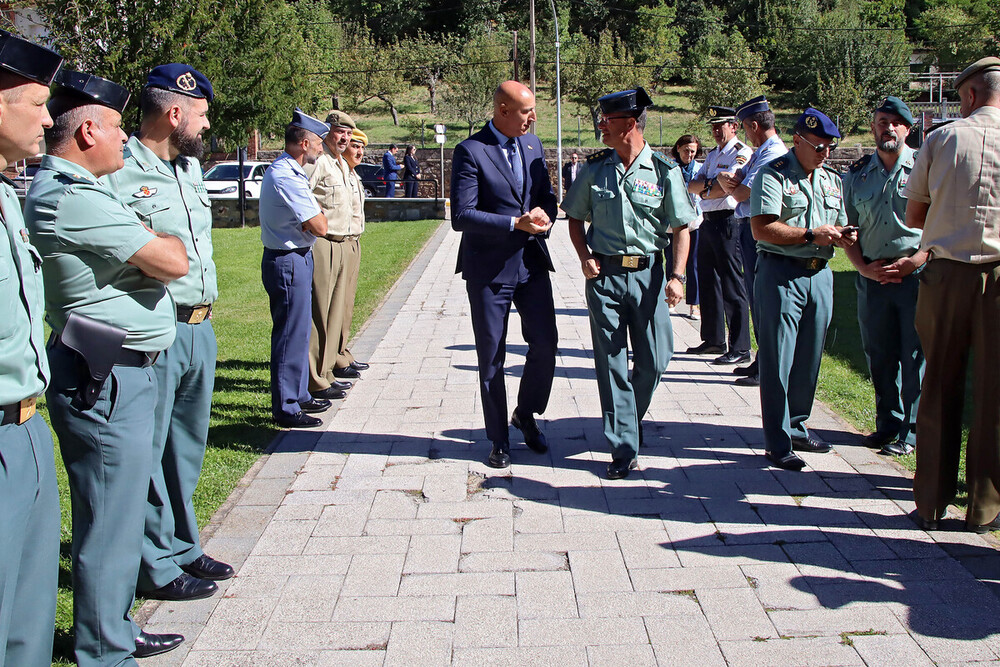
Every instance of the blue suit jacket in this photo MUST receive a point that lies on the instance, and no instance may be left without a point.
(484, 197)
(390, 166)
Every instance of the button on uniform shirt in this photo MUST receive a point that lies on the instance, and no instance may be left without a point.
(24, 366)
(357, 202)
(171, 197)
(874, 201)
(630, 210)
(956, 172)
(782, 188)
(771, 149)
(286, 201)
(328, 181)
(86, 235)
(729, 158)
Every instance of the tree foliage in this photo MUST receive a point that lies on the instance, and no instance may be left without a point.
(726, 71)
(595, 67)
(370, 71)
(484, 65)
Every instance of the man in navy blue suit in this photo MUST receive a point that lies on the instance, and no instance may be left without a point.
(389, 168)
(502, 202)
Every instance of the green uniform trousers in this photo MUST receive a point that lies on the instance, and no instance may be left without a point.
(332, 261)
(185, 378)
(958, 312)
(29, 544)
(886, 315)
(352, 261)
(107, 451)
(794, 306)
(628, 306)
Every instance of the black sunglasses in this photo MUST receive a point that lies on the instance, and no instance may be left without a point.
(819, 148)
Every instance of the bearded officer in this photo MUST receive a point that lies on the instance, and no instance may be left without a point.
(632, 197)
(29, 550)
(111, 317)
(162, 182)
(888, 258)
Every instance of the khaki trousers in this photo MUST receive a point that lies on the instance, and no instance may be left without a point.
(328, 292)
(351, 254)
(958, 312)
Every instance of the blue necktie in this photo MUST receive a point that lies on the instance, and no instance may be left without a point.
(515, 165)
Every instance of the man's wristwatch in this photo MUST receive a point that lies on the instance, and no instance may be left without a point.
(680, 278)
(810, 237)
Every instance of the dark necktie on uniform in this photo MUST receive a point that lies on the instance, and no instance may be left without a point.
(515, 164)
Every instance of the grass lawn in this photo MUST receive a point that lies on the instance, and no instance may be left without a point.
(241, 424)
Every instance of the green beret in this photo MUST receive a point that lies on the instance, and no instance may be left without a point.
(896, 106)
(989, 64)
(340, 119)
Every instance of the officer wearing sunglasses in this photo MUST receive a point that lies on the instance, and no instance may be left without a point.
(797, 216)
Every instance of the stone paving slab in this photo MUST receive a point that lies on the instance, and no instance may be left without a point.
(384, 540)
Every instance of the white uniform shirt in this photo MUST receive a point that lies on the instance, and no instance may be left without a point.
(729, 158)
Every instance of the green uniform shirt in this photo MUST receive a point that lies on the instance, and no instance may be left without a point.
(630, 210)
(874, 200)
(87, 235)
(171, 198)
(783, 188)
(24, 367)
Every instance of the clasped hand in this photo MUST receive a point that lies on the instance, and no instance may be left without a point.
(536, 221)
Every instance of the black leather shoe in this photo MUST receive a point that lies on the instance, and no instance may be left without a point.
(500, 456)
(985, 528)
(349, 372)
(927, 524)
(877, 440)
(184, 587)
(746, 370)
(619, 468)
(147, 644)
(789, 461)
(298, 420)
(360, 365)
(206, 567)
(524, 421)
(706, 348)
(748, 381)
(331, 393)
(810, 445)
(896, 448)
(733, 357)
(314, 405)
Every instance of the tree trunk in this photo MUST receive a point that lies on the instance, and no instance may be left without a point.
(595, 113)
(432, 90)
(392, 109)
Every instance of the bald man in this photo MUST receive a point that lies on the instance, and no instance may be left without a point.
(502, 203)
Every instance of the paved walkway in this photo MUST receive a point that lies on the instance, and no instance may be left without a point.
(386, 541)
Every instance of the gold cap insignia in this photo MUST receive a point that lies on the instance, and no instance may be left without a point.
(711, 112)
(811, 121)
(186, 82)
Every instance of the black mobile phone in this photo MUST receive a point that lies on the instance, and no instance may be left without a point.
(848, 229)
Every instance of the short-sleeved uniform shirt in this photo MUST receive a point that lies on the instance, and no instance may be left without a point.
(957, 173)
(630, 210)
(86, 235)
(874, 201)
(783, 188)
(286, 201)
(24, 367)
(772, 148)
(729, 158)
(171, 197)
(357, 202)
(328, 179)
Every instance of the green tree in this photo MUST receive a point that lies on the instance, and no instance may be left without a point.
(371, 70)
(958, 35)
(726, 71)
(484, 65)
(595, 67)
(658, 40)
(428, 60)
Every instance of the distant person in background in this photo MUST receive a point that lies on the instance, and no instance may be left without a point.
(684, 151)
(411, 169)
(570, 170)
(390, 167)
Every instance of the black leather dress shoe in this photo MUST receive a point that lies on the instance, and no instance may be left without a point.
(985, 528)
(360, 365)
(877, 440)
(810, 445)
(298, 420)
(147, 644)
(619, 468)
(331, 393)
(748, 381)
(746, 370)
(533, 437)
(500, 456)
(314, 405)
(730, 358)
(349, 372)
(206, 567)
(706, 348)
(789, 461)
(184, 587)
(896, 448)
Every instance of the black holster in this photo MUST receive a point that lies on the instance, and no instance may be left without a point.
(97, 345)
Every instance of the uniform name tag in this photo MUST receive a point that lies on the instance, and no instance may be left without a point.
(649, 189)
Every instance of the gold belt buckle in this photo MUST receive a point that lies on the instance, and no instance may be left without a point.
(630, 261)
(27, 410)
(198, 315)
(814, 263)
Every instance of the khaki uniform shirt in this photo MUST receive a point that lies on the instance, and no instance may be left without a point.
(357, 202)
(958, 173)
(329, 183)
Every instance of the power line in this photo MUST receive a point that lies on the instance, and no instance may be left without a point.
(405, 69)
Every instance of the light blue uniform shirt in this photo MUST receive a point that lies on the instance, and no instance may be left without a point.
(773, 148)
(875, 202)
(24, 367)
(286, 201)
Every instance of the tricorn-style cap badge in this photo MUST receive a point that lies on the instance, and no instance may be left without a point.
(186, 81)
(811, 121)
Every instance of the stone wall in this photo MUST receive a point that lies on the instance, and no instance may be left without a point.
(226, 212)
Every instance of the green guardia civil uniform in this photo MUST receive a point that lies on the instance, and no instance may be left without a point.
(86, 236)
(630, 211)
(29, 497)
(793, 290)
(170, 197)
(874, 201)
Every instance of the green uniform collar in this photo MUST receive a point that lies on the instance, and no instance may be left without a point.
(146, 158)
(71, 170)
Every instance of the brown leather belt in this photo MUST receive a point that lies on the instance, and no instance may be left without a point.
(340, 239)
(20, 412)
(193, 314)
(808, 263)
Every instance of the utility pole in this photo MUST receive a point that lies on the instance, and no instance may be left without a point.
(517, 72)
(531, 52)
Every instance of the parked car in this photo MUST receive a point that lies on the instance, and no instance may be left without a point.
(372, 179)
(223, 178)
(23, 180)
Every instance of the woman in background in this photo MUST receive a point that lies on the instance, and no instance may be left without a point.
(684, 151)
(411, 169)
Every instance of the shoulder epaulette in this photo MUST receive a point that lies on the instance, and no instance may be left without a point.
(860, 163)
(740, 146)
(778, 163)
(833, 169)
(664, 159)
(599, 155)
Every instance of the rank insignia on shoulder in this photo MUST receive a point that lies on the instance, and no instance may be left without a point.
(859, 163)
(599, 155)
(778, 163)
(664, 159)
(144, 192)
